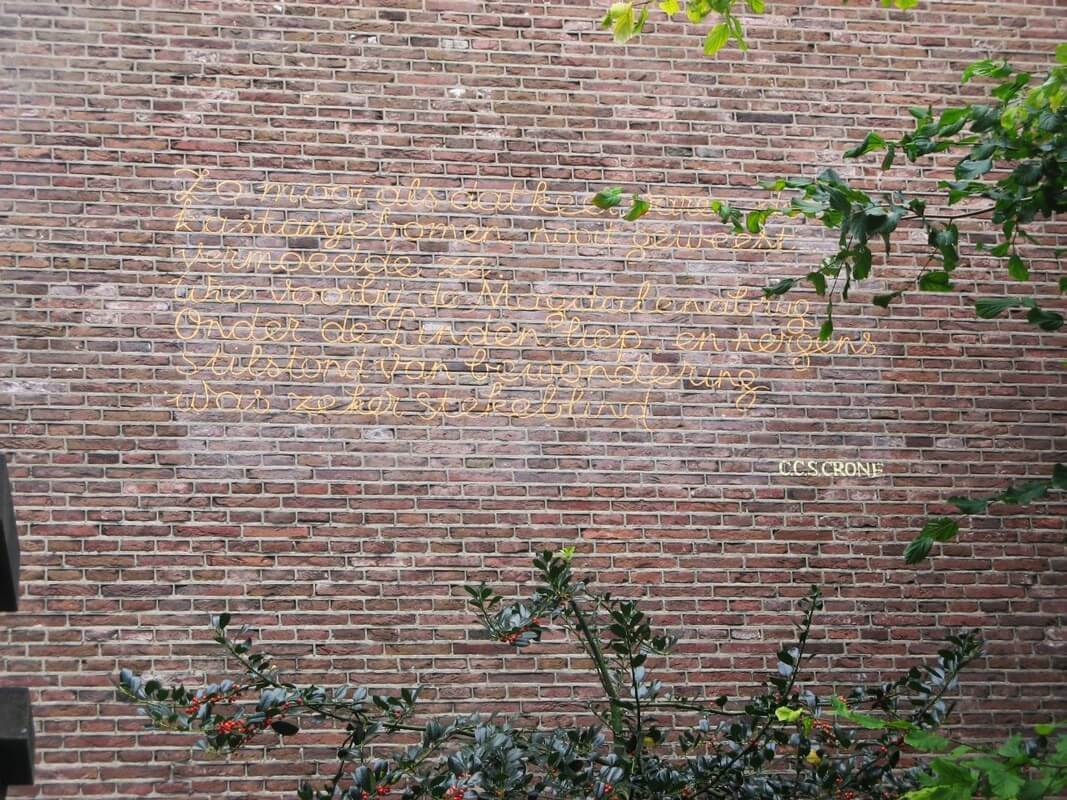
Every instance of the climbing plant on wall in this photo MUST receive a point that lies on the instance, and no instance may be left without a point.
(1007, 155)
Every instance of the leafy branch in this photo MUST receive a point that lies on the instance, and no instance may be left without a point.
(1010, 166)
(627, 19)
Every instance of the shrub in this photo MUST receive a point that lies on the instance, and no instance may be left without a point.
(642, 740)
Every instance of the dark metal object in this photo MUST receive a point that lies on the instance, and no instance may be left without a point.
(9, 545)
(16, 738)
(16, 716)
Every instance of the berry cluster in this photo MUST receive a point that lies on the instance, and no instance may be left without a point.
(234, 726)
(840, 793)
(823, 726)
(381, 791)
(454, 793)
(511, 638)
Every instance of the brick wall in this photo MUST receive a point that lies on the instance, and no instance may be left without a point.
(387, 200)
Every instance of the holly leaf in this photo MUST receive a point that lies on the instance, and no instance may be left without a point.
(284, 728)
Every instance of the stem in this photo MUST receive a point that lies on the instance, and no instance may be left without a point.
(341, 766)
(782, 695)
(592, 647)
(638, 725)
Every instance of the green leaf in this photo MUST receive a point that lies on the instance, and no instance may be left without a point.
(1002, 779)
(755, 6)
(918, 549)
(565, 554)
(1033, 790)
(952, 774)
(1061, 53)
(936, 792)
(952, 120)
(818, 280)
(861, 263)
(883, 300)
(890, 154)
(1006, 91)
(970, 505)
(872, 141)
(780, 288)
(623, 24)
(928, 741)
(935, 282)
(856, 718)
(1044, 319)
(716, 39)
(1025, 493)
(735, 31)
(608, 198)
(697, 10)
(1012, 747)
(940, 529)
(826, 330)
(969, 169)
(1059, 476)
(1017, 269)
(670, 7)
(946, 239)
(638, 209)
(992, 307)
(785, 714)
(986, 68)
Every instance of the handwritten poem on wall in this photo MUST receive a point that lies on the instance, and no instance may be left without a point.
(436, 302)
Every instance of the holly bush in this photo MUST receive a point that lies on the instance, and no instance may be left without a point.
(638, 739)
